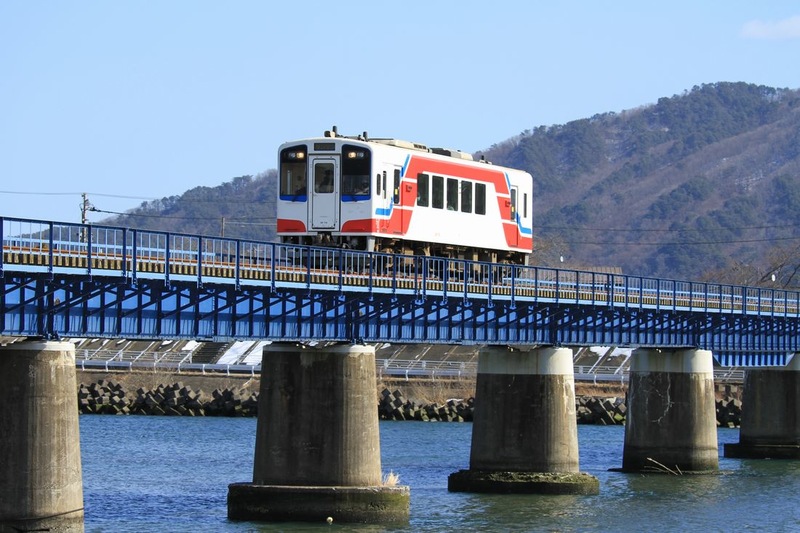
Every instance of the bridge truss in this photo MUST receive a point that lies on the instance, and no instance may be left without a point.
(72, 280)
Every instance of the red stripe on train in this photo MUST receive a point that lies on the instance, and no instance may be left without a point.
(291, 226)
(391, 226)
(362, 225)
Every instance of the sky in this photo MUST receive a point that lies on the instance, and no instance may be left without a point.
(130, 101)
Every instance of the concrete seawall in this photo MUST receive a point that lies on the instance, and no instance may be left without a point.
(131, 394)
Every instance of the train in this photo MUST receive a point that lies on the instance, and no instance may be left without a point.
(400, 197)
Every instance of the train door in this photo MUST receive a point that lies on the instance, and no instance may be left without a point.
(324, 193)
(396, 201)
(513, 239)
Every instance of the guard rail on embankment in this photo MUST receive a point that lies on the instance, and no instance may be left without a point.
(404, 369)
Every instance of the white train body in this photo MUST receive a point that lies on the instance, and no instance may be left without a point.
(399, 197)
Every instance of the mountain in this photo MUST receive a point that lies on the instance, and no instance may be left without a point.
(701, 185)
(706, 181)
(242, 208)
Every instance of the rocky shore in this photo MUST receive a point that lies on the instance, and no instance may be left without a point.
(110, 398)
(443, 401)
(606, 411)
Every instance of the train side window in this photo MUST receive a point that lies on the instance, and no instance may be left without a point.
(383, 176)
(396, 196)
(437, 192)
(423, 190)
(452, 194)
(480, 198)
(378, 184)
(466, 196)
(525, 205)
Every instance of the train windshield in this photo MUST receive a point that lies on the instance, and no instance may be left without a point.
(294, 174)
(356, 163)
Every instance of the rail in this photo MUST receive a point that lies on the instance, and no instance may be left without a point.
(129, 254)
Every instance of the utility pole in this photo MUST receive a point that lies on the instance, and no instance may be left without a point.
(86, 205)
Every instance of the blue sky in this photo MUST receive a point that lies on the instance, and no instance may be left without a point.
(130, 101)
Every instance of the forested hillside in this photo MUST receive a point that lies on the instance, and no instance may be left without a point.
(701, 185)
(241, 208)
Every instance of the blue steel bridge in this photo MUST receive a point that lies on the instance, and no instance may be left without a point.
(73, 280)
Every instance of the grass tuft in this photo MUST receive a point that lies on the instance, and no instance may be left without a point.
(391, 479)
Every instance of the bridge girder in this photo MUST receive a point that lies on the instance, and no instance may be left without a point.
(38, 304)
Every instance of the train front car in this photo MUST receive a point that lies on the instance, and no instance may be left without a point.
(324, 187)
(399, 197)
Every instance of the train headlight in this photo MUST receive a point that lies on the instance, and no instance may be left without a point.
(296, 155)
(355, 155)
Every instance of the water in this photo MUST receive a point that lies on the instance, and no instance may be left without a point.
(148, 473)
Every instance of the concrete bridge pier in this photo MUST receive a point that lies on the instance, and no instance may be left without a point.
(317, 442)
(41, 484)
(671, 419)
(524, 433)
(770, 417)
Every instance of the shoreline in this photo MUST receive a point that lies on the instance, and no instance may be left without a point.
(419, 389)
(193, 394)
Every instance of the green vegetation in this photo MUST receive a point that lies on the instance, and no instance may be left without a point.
(680, 199)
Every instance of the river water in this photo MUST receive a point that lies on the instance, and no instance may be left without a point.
(149, 473)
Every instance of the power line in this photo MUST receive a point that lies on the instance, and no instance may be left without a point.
(683, 243)
(121, 196)
(95, 210)
(127, 197)
(244, 221)
(42, 193)
(642, 230)
(227, 220)
(39, 193)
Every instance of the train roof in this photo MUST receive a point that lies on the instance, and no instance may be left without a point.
(458, 154)
(408, 145)
(399, 143)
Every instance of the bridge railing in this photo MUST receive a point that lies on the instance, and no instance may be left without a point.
(91, 249)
